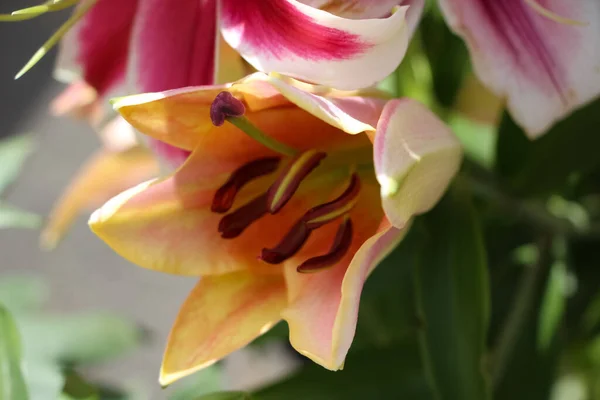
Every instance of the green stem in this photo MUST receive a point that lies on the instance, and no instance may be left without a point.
(522, 307)
(249, 129)
(483, 184)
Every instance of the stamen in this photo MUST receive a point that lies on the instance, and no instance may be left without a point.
(225, 196)
(232, 225)
(289, 245)
(325, 213)
(341, 245)
(225, 107)
(288, 182)
(544, 12)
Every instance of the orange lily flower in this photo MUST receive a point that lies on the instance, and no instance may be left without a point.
(275, 236)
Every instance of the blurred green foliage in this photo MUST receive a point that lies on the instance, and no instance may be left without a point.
(13, 153)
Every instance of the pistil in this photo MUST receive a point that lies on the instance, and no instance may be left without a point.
(226, 107)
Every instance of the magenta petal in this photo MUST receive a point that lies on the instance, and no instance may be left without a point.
(97, 48)
(174, 44)
(544, 67)
(295, 39)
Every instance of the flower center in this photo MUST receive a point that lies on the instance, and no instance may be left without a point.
(276, 197)
(299, 166)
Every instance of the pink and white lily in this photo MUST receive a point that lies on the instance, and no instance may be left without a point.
(290, 234)
(159, 45)
(543, 56)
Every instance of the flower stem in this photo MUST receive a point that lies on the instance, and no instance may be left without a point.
(522, 307)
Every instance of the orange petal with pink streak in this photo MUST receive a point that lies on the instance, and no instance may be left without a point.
(167, 225)
(282, 110)
(222, 314)
(323, 306)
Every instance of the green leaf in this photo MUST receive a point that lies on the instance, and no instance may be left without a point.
(14, 150)
(44, 378)
(11, 217)
(226, 396)
(79, 339)
(22, 293)
(448, 57)
(530, 372)
(478, 140)
(12, 384)
(388, 313)
(545, 165)
(553, 304)
(76, 388)
(384, 373)
(203, 382)
(453, 295)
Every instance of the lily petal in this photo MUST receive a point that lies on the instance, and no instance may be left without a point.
(323, 306)
(345, 110)
(173, 44)
(103, 176)
(542, 55)
(221, 314)
(96, 49)
(416, 157)
(167, 225)
(78, 100)
(294, 39)
(181, 117)
(355, 9)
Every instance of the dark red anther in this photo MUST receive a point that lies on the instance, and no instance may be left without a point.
(291, 177)
(341, 245)
(325, 213)
(232, 225)
(223, 199)
(289, 245)
(225, 105)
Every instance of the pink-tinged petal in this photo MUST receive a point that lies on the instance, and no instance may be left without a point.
(103, 176)
(416, 157)
(118, 136)
(173, 44)
(355, 9)
(172, 157)
(221, 314)
(345, 110)
(182, 117)
(294, 39)
(323, 306)
(97, 48)
(544, 65)
(167, 225)
(78, 100)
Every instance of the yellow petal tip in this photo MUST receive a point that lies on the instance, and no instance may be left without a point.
(165, 378)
